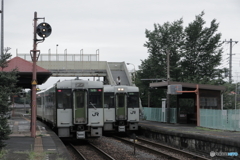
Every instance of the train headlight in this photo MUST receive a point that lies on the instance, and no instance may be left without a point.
(120, 89)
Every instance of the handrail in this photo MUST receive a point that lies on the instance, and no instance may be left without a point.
(127, 73)
(62, 57)
(110, 77)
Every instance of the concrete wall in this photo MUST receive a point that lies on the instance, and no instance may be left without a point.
(191, 142)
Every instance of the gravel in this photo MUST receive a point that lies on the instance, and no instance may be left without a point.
(120, 151)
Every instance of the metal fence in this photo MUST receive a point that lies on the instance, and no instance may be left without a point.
(159, 115)
(220, 119)
(209, 118)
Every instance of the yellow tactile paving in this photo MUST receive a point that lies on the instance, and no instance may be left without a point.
(38, 147)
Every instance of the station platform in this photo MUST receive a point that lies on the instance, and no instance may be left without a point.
(22, 146)
(193, 138)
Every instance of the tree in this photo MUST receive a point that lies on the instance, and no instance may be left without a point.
(8, 81)
(164, 38)
(202, 53)
(4, 58)
(195, 53)
(229, 96)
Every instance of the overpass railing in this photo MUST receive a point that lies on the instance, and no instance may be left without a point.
(62, 57)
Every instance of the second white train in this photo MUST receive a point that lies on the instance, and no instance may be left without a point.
(121, 108)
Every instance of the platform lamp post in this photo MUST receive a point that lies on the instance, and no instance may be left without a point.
(43, 30)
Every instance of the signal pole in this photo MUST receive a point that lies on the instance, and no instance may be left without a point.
(43, 30)
(34, 79)
(230, 60)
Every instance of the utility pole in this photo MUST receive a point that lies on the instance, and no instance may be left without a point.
(230, 59)
(168, 79)
(2, 37)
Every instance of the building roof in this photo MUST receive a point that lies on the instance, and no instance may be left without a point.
(25, 72)
(188, 85)
(22, 65)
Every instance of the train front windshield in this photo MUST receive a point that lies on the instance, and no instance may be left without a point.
(133, 100)
(95, 98)
(64, 98)
(108, 100)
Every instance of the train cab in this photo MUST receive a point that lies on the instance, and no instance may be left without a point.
(121, 108)
(74, 108)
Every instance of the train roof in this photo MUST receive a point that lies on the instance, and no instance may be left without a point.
(79, 84)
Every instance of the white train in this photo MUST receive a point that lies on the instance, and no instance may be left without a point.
(121, 108)
(74, 108)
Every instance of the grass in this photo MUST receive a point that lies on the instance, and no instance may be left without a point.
(208, 129)
(3, 152)
(38, 156)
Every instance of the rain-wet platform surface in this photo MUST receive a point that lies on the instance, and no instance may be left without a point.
(21, 146)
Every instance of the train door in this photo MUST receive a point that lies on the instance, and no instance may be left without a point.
(80, 106)
(121, 113)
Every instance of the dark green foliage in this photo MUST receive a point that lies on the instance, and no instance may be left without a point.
(195, 55)
(229, 96)
(202, 53)
(8, 88)
(5, 131)
(163, 39)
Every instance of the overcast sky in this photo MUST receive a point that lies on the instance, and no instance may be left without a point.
(115, 27)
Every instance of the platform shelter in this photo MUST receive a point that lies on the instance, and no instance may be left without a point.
(24, 69)
(203, 96)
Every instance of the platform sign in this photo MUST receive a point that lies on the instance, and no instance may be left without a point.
(34, 82)
(172, 89)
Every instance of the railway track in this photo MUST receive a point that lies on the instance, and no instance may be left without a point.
(90, 151)
(162, 150)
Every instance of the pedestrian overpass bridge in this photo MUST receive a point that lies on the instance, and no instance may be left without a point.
(82, 65)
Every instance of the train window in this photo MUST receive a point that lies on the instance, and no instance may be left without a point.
(95, 98)
(64, 99)
(108, 100)
(121, 100)
(39, 101)
(79, 98)
(52, 95)
(133, 100)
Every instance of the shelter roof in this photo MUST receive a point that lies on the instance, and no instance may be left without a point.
(188, 85)
(25, 72)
